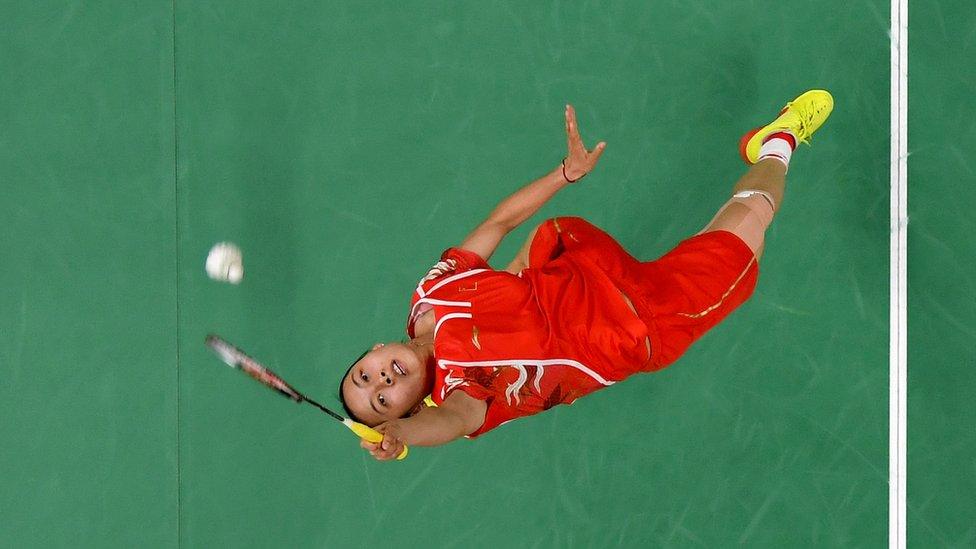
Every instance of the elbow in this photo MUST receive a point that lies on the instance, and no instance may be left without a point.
(501, 224)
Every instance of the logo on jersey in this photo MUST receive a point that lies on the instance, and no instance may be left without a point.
(451, 383)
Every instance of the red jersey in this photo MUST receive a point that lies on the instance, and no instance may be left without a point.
(560, 328)
(524, 343)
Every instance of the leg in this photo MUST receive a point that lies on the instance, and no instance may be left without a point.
(521, 259)
(768, 149)
(757, 196)
(768, 175)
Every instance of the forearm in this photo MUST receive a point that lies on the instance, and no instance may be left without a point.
(525, 202)
(430, 428)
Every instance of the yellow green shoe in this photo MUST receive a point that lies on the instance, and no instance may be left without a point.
(801, 117)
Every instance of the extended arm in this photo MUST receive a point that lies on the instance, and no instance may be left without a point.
(457, 416)
(512, 211)
(525, 202)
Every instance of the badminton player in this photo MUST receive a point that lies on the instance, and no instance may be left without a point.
(573, 312)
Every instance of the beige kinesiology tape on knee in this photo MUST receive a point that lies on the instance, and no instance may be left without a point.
(760, 203)
(751, 192)
(752, 226)
(747, 215)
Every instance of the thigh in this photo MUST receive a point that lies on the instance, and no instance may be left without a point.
(689, 290)
(521, 259)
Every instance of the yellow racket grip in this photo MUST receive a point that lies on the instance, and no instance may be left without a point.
(370, 435)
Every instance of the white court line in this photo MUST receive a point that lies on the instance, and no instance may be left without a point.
(898, 331)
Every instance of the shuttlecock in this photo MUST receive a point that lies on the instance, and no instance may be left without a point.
(225, 263)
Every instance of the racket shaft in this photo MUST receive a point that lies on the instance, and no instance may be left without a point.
(324, 409)
(237, 359)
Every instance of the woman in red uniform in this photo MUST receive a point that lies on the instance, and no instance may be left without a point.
(573, 312)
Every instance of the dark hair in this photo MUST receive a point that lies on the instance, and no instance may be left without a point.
(342, 399)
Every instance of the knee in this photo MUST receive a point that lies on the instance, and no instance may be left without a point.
(760, 203)
(747, 215)
(751, 226)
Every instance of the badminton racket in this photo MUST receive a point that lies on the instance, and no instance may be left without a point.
(239, 360)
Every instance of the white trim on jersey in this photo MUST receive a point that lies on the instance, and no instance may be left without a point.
(443, 363)
(520, 364)
(448, 280)
(431, 301)
(448, 317)
(439, 269)
(451, 383)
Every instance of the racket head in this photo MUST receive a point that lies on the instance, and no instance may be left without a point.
(238, 359)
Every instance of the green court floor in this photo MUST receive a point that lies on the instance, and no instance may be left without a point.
(343, 146)
(942, 276)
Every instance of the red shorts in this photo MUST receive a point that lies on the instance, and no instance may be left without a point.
(679, 296)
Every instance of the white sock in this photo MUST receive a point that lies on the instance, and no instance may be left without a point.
(777, 148)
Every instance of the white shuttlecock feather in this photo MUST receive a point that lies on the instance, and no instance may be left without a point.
(225, 263)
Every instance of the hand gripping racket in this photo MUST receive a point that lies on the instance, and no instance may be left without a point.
(238, 359)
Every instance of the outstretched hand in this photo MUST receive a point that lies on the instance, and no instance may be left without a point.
(579, 161)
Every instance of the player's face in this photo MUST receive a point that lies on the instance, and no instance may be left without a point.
(386, 384)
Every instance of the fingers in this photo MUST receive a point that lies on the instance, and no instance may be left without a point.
(569, 132)
(390, 443)
(574, 142)
(372, 447)
(389, 448)
(595, 155)
(377, 452)
(572, 128)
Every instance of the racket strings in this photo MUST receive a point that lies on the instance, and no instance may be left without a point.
(269, 378)
(236, 358)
